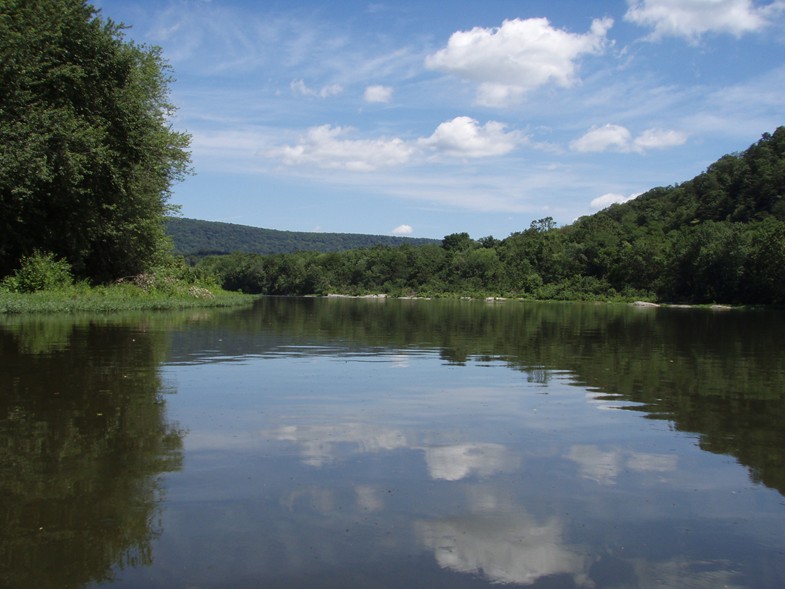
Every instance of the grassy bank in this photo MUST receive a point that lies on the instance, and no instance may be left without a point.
(44, 284)
(117, 298)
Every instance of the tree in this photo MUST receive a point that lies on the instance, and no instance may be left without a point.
(87, 152)
(457, 242)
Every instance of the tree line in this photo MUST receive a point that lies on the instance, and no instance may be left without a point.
(719, 237)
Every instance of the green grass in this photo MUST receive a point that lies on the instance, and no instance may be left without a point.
(117, 297)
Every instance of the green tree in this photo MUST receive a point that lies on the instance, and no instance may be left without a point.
(87, 152)
(765, 268)
(458, 242)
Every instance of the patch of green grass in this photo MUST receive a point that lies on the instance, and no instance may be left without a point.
(45, 284)
(117, 297)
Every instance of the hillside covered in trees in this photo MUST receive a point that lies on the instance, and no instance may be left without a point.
(195, 238)
(719, 237)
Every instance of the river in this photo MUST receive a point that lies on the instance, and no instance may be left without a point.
(384, 443)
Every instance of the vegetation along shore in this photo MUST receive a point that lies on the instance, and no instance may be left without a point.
(89, 157)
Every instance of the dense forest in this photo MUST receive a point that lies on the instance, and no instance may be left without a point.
(194, 239)
(719, 237)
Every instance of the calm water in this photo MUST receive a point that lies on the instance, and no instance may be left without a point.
(356, 443)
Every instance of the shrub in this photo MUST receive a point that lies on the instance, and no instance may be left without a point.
(40, 271)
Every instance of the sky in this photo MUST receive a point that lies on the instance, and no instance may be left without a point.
(422, 118)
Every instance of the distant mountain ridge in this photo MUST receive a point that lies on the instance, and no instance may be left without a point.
(197, 238)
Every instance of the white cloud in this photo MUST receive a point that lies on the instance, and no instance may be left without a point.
(300, 87)
(617, 138)
(692, 18)
(464, 137)
(610, 198)
(517, 57)
(403, 230)
(326, 147)
(659, 139)
(608, 137)
(378, 94)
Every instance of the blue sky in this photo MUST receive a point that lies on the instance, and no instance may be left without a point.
(427, 118)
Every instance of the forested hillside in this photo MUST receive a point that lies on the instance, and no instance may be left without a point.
(196, 238)
(719, 237)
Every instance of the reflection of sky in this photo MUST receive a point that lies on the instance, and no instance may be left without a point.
(321, 444)
(313, 464)
(604, 466)
(682, 573)
(505, 548)
(452, 463)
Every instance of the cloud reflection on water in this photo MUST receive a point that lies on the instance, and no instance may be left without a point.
(604, 466)
(453, 463)
(325, 444)
(322, 444)
(504, 547)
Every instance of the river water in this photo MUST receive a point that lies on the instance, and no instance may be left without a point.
(368, 443)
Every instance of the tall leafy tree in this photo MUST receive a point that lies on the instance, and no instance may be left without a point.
(87, 151)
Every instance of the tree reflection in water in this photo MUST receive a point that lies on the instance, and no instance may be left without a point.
(83, 440)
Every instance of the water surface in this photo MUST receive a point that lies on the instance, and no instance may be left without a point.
(357, 443)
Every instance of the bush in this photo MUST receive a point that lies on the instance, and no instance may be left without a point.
(40, 271)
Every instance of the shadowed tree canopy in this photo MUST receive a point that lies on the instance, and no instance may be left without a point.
(87, 152)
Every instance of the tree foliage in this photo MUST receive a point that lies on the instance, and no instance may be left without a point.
(719, 237)
(87, 153)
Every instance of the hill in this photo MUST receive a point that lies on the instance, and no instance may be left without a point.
(718, 238)
(195, 238)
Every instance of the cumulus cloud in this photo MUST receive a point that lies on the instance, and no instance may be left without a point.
(610, 198)
(519, 56)
(327, 147)
(332, 148)
(617, 138)
(465, 137)
(300, 87)
(403, 230)
(378, 94)
(692, 18)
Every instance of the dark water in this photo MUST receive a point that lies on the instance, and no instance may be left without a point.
(356, 443)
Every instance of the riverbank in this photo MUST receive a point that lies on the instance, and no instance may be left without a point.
(120, 297)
